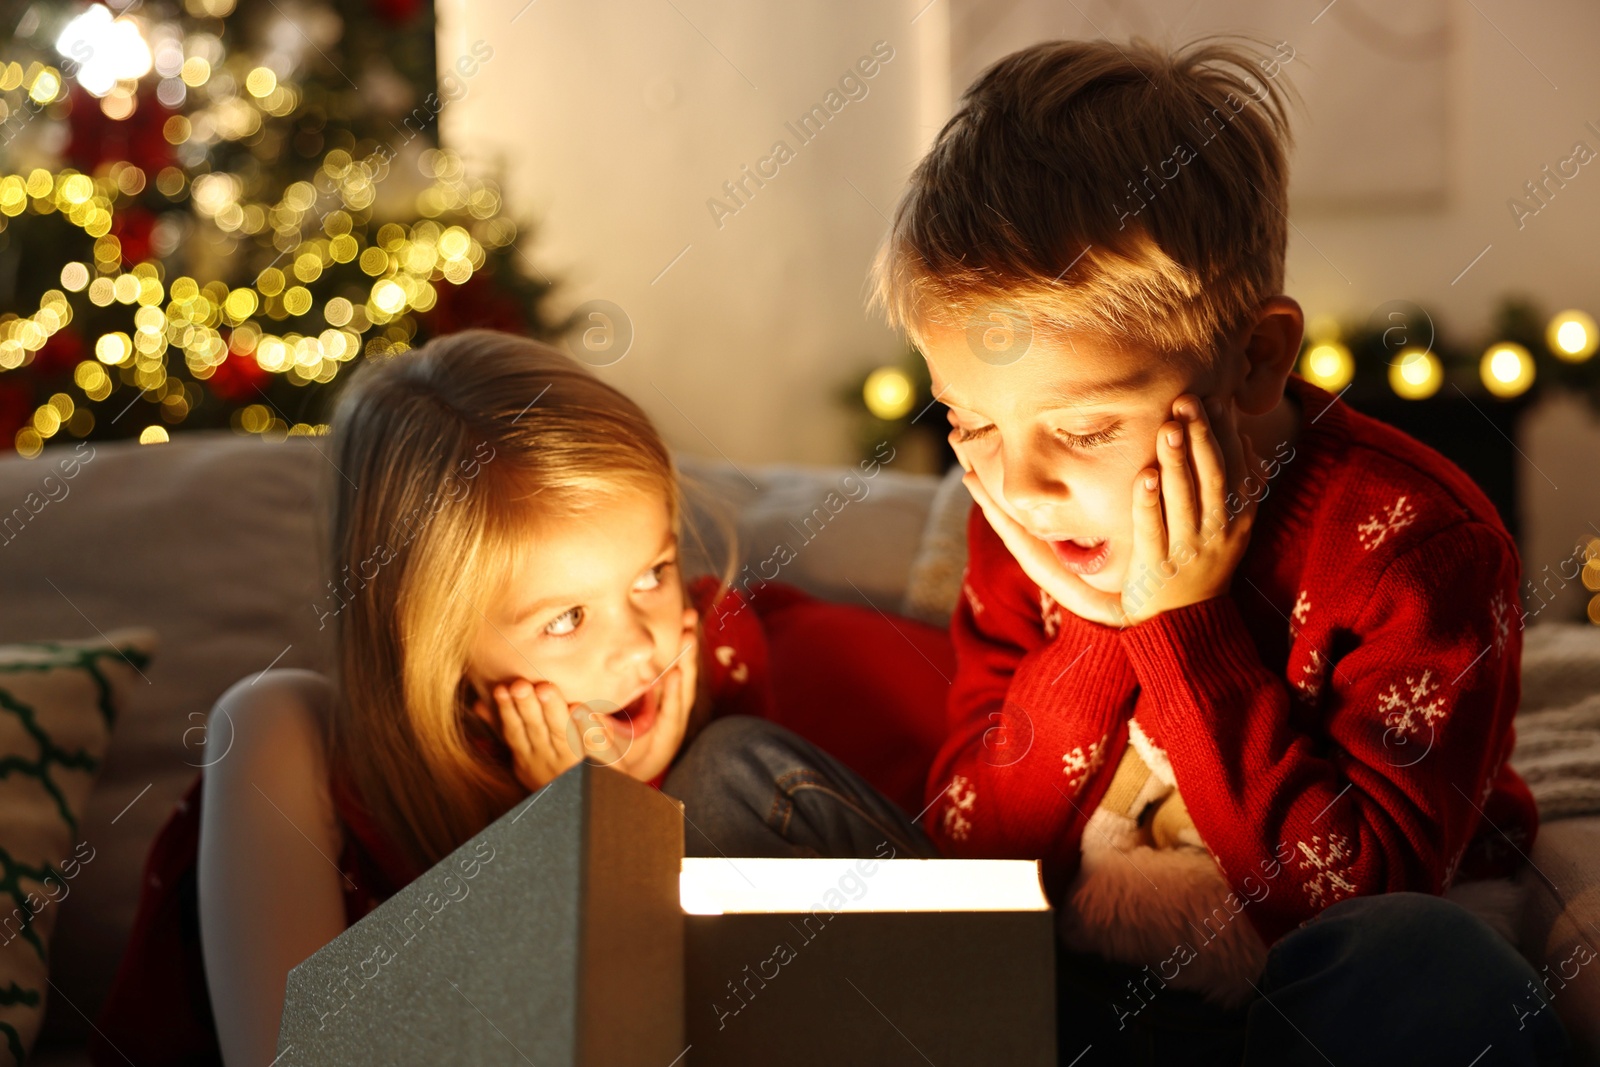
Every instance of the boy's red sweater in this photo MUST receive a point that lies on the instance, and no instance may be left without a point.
(1338, 724)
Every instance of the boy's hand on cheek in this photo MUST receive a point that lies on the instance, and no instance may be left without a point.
(1192, 516)
(1039, 563)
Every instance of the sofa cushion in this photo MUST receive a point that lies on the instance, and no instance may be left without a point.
(837, 532)
(1561, 929)
(941, 563)
(1558, 754)
(211, 542)
(58, 701)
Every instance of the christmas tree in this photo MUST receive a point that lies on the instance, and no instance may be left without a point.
(208, 209)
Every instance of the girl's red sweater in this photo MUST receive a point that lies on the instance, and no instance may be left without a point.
(1338, 724)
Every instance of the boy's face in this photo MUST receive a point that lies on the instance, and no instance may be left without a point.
(1057, 435)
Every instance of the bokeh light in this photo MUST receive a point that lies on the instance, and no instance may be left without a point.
(1328, 365)
(1506, 369)
(888, 393)
(114, 47)
(1572, 336)
(1415, 374)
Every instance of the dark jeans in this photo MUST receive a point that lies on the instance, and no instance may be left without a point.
(1398, 978)
(751, 788)
(1395, 978)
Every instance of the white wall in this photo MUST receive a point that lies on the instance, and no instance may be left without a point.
(1506, 121)
(613, 123)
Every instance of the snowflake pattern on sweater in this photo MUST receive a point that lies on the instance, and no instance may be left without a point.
(957, 813)
(738, 672)
(1327, 864)
(1079, 765)
(1395, 576)
(1376, 529)
(1500, 608)
(1403, 707)
(972, 598)
(1049, 614)
(1310, 681)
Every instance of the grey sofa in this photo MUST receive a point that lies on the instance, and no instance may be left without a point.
(214, 541)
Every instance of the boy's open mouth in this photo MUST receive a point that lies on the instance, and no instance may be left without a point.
(1082, 555)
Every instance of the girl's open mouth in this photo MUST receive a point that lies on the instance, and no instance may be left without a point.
(1082, 555)
(638, 716)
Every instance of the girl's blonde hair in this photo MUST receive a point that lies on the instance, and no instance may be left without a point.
(440, 453)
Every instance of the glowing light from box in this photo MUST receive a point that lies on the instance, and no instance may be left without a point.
(888, 394)
(114, 47)
(1507, 369)
(716, 886)
(1572, 336)
(1328, 365)
(153, 435)
(1415, 374)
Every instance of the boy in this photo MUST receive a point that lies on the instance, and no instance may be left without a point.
(1307, 619)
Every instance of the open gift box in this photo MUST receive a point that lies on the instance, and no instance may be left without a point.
(573, 931)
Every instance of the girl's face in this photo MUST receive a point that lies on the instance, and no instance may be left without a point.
(595, 606)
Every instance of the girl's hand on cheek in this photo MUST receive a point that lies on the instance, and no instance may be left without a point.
(1039, 562)
(534, 720)
(1192, 517)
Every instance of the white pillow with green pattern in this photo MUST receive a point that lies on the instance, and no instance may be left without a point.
(58, 701)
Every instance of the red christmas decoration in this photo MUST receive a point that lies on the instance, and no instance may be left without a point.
(396, 12)
(476, 303)
(62, 352)
(132, 226)
(98, 139)
(16, 409)
(238, 378)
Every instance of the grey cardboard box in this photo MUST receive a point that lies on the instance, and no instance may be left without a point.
(880, 988)
(556, 937)
(552, 937)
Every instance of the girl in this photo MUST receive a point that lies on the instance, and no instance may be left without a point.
(507, 601)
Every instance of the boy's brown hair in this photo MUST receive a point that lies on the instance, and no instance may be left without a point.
(1122, 190)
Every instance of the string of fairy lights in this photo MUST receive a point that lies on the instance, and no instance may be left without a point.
(280, 319)
(1506, 369)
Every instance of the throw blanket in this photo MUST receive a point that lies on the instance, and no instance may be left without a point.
(1558, 726)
